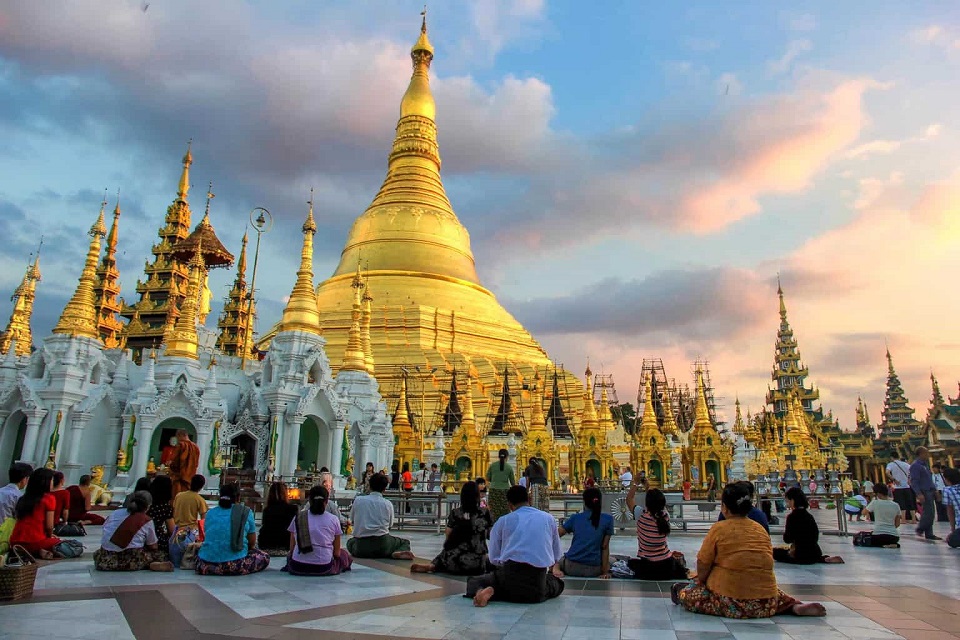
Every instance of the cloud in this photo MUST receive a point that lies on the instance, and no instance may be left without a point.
(496, 23)
(799, 21)
(937, 36)
(795, 48)
(885, 147)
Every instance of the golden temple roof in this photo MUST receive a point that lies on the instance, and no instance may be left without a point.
(79, 317)
(204, 236)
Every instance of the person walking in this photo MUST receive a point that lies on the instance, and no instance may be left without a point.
(925, 491)
(499, 478)
(898, 472)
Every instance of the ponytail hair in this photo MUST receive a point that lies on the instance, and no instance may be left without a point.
(502, 454)
(656, 504)
(318, 499)
(592, 498)
(228, 495)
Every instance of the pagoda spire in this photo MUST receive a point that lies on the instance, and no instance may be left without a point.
(897, 415)
(452, 415)
(353, 357)
(538, 421)
(937, 398)
(79, 317)
(236, 338)
(183, 188)
(365, 341)
(648, 423)
(183, 341)
(18, 332)
(107, 288)
(506, 420)
(739, 427)
(468, 420)
(589, 418)
(669, 421)
(402, 425)
(788, 373)
(701, 414)
(301, 312)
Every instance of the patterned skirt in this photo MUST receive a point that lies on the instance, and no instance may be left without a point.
(126, 560)
(497, 503)
(540, 497)
(698, 599)
(254, 562)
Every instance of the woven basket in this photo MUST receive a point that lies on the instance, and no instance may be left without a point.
(17, 581)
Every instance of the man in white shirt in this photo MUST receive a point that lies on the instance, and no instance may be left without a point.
(9, 495)
(626, 478)
(372, 517)
(941, 485)
(525, 551)
(898, 472)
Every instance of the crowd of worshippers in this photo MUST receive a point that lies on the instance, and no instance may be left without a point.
(497, 536)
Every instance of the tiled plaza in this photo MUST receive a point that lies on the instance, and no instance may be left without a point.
(913, 592)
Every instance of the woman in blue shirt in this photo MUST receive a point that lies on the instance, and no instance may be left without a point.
(230, 539)
(589, 553)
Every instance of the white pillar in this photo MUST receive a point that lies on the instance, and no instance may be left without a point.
(336, 448)
(141, 452)
(30, 437)
(114, 443)
(291, 430)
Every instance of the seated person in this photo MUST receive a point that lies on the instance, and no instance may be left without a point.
(757, 515)
(465, 547)
(524, 551)
(19, 475)
(129, 541)
(161, 511)
(854, 506)
(278, 515)
(326, 479)
(589, 553)
(654, 559)
(315, 539)
(230, 539)
(81, 503)
(951, 498)
(61, 513)
(886, 519)
(189, 508)
(372, 519)
(35, 517)
(735, 576)
(802, 534)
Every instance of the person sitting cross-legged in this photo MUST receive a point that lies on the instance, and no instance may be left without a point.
(372, 517)
(525, 551)
(735, 577)
(465, 547)
(589, 553)
(886, 515)
(130, 540)
(315, 539)
(230, 539)
(802, 534)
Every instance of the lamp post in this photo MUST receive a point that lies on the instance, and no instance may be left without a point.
(262, 223)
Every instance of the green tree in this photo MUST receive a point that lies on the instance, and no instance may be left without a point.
(625, 414)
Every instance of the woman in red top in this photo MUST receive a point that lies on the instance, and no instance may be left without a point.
(407, 477)
(35, 516)
(62, 496)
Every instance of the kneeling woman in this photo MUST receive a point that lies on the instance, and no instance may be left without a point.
(654, 559)
(129, 540)
(465, 547)
(589, 553)
(735, 576)
(229, 545)
(801, 533)
(315, 539)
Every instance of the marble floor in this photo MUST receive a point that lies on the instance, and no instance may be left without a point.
(912, 593)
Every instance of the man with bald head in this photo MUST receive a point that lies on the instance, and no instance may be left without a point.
(184, 462)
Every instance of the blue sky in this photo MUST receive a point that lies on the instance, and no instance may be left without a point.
(633, 175)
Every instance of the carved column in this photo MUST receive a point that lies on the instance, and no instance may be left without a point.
(291, 428)
(363, 456)
(141, 452)
(336, 448)
(31, 436)
(113, 444)
(78, 423)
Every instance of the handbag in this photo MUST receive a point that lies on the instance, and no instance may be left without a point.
(189, 559)
(18, 575)
(70, 530)
(863, 539)
(69, 548)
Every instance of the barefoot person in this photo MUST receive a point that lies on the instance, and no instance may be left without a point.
(129, 541)
(802, 534)
(465, 547)
(735, 576)
(184, 462)
(372, 517)
(524, 551)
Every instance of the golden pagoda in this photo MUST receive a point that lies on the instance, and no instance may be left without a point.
(538, 441)
(590, 453)
(236, 332)
(107, 289)
(431, 313)
(183, 340)
(79, 317)
(706, 454)
(651, 448)
(407, 441)
(166, 278)
(468, 450)
(18, 328)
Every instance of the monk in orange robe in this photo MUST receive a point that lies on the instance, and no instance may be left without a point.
(184, 463)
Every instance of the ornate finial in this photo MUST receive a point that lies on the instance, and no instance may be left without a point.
(116, 209)
(423, 26)
(210, 196)
(184, 187)
(309, 226)
(301, 313)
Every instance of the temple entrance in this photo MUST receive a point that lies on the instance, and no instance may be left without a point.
(594, 466)
(464, 468)
(655, 471)
(160, 442)
(315, 447)
(246, 450)
(713, 467)
(11, 439)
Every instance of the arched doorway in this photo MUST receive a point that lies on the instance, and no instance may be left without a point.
(166, 430)
(464, 468)
(655, 470)
(310, 445)
(11, 439)
(713, 467)
(246, 450)
(594, 465)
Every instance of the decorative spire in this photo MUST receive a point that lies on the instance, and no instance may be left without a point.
(648, 423)
(184, 187)
(401, 417)
(783, 306)
(701, 415)
(898, 416)
(18, 333)
(236, 335)
(301, 312)
(669, 421)
(353, 357)
(365, 341)
(937, 399)
(738, 426)
(183, 341)
(538, 421)
(107, 288)
(79, 317)
(418, 100)
(589, 419)
(468, 421)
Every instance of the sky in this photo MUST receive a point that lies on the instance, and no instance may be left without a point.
(634, 175)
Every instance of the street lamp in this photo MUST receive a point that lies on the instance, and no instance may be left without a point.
(262, 222)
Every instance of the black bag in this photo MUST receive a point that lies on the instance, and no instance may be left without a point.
(863, 539)
(70, 530)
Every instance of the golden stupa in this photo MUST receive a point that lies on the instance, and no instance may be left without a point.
(431, 316)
